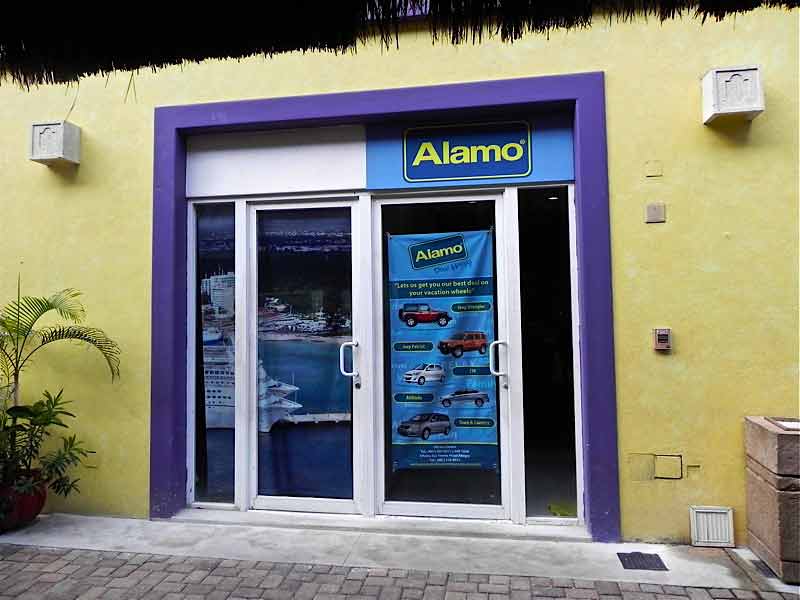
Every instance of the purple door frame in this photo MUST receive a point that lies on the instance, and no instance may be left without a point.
(584, 91)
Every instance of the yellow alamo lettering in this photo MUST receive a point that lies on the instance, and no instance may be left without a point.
(458, 155)
(438, 253)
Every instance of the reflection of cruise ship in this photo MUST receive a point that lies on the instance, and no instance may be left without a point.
(273, 404)
(218, 378)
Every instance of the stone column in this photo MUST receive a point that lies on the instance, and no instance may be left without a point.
(773, 493)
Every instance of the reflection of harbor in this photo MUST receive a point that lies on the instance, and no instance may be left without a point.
(217, 292)
(275, 398)
(278, 317)
(277, 320)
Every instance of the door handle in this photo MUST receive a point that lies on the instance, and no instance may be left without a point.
(354, 373)
(493, 357)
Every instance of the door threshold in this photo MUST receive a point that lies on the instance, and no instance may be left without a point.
(550, 529)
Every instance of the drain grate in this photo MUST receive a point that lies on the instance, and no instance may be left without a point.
(764, 569)
(641, 562)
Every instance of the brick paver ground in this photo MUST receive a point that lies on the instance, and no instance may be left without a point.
(28, 572)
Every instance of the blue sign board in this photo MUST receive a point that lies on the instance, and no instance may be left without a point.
(475, 151)
(444, 397)
(534, 149)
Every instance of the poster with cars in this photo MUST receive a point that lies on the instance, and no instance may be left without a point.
(441, 311)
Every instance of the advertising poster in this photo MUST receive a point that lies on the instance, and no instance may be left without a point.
(441, 310)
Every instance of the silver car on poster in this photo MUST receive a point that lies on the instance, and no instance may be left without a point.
(471, 396)
(424, 373)
(424, 425)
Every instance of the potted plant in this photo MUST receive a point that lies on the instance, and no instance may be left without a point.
(25, 471)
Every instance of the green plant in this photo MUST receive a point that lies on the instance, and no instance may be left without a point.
(20, 338)
(25, 427)
(23, 430)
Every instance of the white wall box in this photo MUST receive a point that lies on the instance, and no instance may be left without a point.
(733, 91)
(56, 142)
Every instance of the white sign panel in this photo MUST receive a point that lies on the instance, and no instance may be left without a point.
(274, 162)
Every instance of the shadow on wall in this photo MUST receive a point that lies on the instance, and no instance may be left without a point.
(732, 130)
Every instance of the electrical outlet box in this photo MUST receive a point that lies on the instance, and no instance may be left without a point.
(732, 91)
(53, 143)
(662, 339)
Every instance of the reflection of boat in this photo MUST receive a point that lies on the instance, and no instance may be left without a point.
(279, 388)
(273, 405)
(212, 335)
(218, 372)
(273, 410)
(281, 322)
(273, 305)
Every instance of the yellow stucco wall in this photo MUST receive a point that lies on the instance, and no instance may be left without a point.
(722, 272)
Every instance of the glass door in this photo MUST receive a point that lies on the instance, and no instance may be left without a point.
(304, 358)
(445, 397)
(544, 361)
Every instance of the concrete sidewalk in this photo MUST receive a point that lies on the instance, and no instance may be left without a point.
(540, 567)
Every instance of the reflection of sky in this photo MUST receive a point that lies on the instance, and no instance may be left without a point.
(334, 220)
(215, 221)
(215, 236)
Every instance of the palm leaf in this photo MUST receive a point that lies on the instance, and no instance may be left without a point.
(92, 336)
(6, 362)
(19, 316)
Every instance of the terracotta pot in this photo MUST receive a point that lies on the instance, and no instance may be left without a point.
(21, 509)
(30, 505)
(9, 509)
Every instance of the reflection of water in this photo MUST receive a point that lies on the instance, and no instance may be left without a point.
(306, 460)
(220, 446)
(293, 460)
(314, 368)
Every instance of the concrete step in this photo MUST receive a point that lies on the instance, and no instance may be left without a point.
(568, 530)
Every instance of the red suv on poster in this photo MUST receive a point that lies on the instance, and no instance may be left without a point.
(468, 341)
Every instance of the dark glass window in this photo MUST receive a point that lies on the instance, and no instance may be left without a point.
(547, 373)
(214, 350)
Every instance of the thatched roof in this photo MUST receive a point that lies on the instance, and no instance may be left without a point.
(53, 50)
